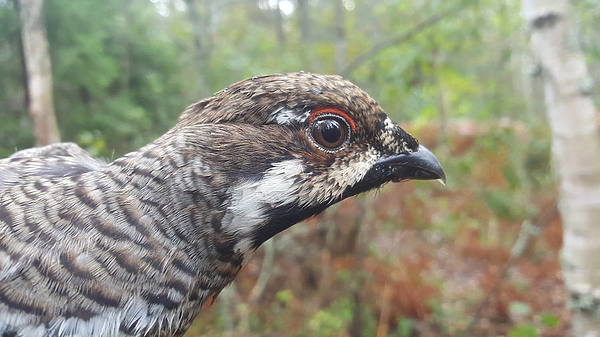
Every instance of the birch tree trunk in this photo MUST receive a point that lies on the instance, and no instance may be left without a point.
(576, 151)
(39, 73)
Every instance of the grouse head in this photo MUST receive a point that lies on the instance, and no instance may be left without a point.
(287, 146)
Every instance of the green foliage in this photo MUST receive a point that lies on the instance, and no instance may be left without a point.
(502, 203)
(332, 320)
(549, 320)
(15, 129)
(523, 330)
(405, 327)
(284, 296)
(113, 72)
(117, 78)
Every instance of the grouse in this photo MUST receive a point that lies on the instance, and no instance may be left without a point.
(137, 246)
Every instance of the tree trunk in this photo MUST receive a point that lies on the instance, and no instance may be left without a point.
(341, 42)
(278, 17)
(306, 38)
(200, 16)
(576, 151)
(39, 72)
(303, 21)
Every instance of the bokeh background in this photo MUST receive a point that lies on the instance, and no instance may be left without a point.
(478, 257)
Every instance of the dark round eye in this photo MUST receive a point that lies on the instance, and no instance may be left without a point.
(331, 132)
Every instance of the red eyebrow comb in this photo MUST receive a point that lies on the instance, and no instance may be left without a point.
(330, 110)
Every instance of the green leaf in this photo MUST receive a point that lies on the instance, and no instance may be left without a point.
(523, 330)
(284, 296)
(549, 320)
(405, 327)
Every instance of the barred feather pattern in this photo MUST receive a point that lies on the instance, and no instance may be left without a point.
(130, 248)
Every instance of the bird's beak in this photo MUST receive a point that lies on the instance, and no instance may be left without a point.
(418, 165)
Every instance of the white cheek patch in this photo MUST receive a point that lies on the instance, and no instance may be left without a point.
(285, 116)
(250, 200)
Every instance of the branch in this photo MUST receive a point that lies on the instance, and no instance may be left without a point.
(265, 272)
(401, 38)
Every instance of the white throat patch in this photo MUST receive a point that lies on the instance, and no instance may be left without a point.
(250, 199)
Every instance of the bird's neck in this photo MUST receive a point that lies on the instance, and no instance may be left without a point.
(179, 204)
(200, 205)
(184, 198)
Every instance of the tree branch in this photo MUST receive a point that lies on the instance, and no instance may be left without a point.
(266, 271)
(401, 38)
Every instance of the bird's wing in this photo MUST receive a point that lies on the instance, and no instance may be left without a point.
(21, 266)
(51, 161)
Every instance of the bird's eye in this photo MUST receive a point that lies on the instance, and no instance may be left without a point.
(330, 132)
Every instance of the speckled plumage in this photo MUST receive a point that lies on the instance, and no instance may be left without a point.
(137, 246)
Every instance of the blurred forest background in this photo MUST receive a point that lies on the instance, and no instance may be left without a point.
(476, 258)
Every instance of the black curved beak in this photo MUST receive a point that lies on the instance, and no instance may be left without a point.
(418, 165)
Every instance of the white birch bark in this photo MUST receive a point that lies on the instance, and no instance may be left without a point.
(576, 151)
(39, 72)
